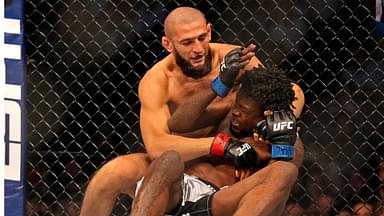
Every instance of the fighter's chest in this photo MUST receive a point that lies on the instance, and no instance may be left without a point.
(187, 92)
(180, 91)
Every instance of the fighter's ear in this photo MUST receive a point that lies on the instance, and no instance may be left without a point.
(209, 30)
(167, 44)
(268, 112)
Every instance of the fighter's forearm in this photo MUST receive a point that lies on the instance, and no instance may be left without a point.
(188, 148)
(192, 114)
(299, 153)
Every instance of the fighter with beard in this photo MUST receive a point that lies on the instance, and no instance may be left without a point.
(192, 66)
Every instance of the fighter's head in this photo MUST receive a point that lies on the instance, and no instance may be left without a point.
(261, 89)
(187, 37)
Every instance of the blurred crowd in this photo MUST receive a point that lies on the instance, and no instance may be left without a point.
(363, 195)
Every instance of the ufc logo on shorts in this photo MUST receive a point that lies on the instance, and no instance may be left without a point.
(282, 125)
(243, 148)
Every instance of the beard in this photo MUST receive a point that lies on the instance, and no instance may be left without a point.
(191, 71)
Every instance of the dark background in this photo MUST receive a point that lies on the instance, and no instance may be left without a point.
(85, 59)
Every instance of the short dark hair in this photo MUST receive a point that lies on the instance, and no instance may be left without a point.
(269, 86)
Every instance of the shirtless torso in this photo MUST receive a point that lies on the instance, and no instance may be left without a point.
(179, 89)
(164, 88)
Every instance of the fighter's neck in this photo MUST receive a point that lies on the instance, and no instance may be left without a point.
(241, 135)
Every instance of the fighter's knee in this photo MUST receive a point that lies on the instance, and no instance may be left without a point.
(171, 160)
(121, 173)
(171, 156)
(128, 167)
(107, 175)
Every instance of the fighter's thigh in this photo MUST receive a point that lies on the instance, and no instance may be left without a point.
(176, 194)
(125, 171)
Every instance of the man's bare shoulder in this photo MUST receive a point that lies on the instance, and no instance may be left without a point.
(158, 72)
(155, 81)
(221, 49)
(225, 46)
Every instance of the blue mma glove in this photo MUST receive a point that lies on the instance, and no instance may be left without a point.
(280, 129)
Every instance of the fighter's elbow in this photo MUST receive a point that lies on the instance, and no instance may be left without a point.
(152, 144)
(153, 152)
(172, 126)
(176, 127)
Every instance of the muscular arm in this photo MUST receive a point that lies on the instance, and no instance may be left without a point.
(195, 113)
(154, 115)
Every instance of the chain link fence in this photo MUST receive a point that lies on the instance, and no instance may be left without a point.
(86, 57)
